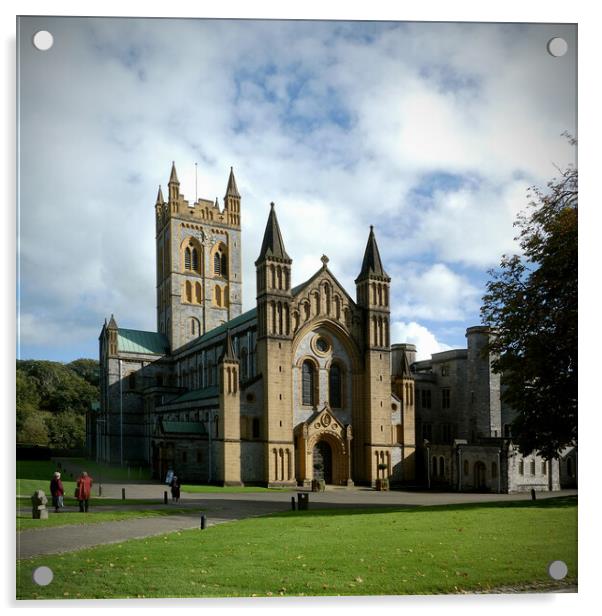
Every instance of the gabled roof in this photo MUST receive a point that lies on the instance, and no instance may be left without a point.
(136, 341)
(296, 290)
(273, 244)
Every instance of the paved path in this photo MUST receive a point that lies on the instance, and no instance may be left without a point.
(224, 507)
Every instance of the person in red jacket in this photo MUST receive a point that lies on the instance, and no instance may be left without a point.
(57, 492)
(83, 490)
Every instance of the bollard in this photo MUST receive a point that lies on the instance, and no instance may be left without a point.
(203, 521)
(293, 503)
(302, 501)
(100, 489)
(532, 494)
(122, 493)
(165, 497)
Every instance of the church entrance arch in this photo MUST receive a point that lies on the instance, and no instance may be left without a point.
(322, 461)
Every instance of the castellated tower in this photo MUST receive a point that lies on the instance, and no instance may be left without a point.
(274, 352)
(372, 286)
(199, 274)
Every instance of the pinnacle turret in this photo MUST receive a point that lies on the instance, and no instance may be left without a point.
(272, 245)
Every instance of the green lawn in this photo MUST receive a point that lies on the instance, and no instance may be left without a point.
(73, 518)
(35, 475)
(444, 549)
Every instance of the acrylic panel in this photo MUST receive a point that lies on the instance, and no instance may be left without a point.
(256, 306)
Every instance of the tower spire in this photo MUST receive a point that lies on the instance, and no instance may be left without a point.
(273, 244)
(371, 265)
(174, 187)
(160, 199)
(232, 189)
(229, 354)
(173, 177)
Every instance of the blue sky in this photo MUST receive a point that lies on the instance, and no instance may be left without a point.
(430, 132)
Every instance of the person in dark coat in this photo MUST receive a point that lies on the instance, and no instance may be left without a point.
(175, 489)
(83, 490)
(57, 491)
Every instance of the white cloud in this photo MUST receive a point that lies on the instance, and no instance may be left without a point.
(434, 293)
(339, 124)
(414, 333)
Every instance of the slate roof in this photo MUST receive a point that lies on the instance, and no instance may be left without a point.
(372, 265)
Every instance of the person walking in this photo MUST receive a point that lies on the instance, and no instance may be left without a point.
(57, 491)
(83, 490)
(175, 489)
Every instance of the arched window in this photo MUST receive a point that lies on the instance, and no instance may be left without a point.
(217, 263)
(195, 260)
(307, 378)
(187, 258)
(188, 291)
(255, 427)
(335, 386)
(218, 296)
(224, 265)
(198, 293)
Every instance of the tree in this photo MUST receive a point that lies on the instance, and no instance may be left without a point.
(531, 304)
(34, 430)
(67, 430)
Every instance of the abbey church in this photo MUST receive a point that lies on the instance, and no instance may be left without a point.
(304, 386)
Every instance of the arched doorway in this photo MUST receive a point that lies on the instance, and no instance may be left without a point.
(479, 476)
(322, 461)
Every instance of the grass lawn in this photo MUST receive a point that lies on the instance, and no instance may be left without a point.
(35, 475)
(72, 518)
(442, 549)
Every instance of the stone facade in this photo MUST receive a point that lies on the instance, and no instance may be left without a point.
(304, 386)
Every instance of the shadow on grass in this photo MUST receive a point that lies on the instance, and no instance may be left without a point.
(323, 509)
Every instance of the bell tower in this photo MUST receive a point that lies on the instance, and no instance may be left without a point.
(199, 273)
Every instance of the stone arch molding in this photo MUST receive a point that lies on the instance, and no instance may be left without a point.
(324, 426)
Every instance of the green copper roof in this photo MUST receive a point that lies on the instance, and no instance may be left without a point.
(184, 427)
(232, 324)
(135, 341)
(196, 394)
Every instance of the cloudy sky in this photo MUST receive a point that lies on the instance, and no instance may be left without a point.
(430, 132)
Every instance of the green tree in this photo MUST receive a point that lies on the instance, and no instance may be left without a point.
(66, 430)
(34, 430)
(531, 303)
(88, 369)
